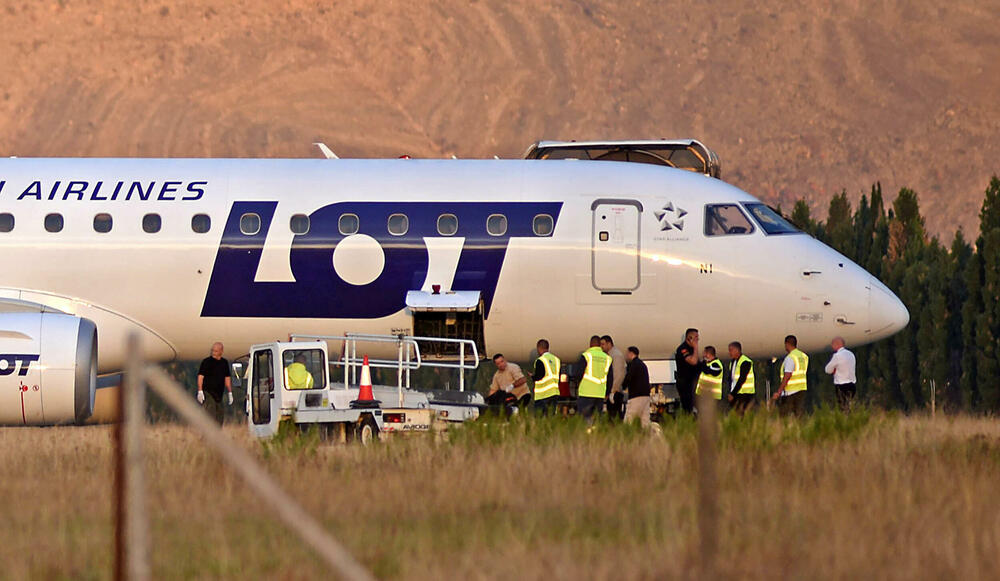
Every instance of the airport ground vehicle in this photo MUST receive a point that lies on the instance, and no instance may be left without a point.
(295, 381)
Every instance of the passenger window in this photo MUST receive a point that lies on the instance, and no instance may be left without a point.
(151, 223)
(399, 224)
(249, 224)
(6, 222)
(542, 225)
(299, 224)
(53, 222)
(201, 223)
(348, 224)
(447, 224)
(726, 219)
(496, 225)
(303, 369)
(102, 223)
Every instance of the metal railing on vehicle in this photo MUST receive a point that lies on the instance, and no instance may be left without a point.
(408, 356)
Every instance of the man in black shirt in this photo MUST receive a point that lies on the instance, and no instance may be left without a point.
(686, 359)
(213, 378)
(636, 384)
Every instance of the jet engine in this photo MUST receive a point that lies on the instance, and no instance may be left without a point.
(48, 368)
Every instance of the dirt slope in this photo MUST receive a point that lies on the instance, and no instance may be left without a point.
(799, 103)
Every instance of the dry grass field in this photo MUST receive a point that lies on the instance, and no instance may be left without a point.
(827, 497)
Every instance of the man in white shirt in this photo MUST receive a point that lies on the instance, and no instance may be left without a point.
(842, 366)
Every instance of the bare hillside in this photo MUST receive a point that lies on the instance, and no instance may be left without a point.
(800, 103)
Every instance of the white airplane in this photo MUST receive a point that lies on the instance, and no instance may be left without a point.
(191, 251)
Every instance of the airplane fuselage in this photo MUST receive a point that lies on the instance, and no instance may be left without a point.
(244, 251)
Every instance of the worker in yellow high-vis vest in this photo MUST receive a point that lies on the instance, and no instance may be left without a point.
(593, 371)
(709, 376)
(741, 385)
(546, 378)
(791, 394)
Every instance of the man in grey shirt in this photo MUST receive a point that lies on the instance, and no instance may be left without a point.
(842, 367)
(616, 397)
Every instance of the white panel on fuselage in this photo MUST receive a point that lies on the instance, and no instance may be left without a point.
(442, 261)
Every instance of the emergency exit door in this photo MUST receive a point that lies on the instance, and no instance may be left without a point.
(615, 245)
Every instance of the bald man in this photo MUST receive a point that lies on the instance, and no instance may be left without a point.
(842, 367)
(213, 377)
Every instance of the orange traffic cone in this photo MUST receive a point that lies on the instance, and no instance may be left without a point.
(366, 399)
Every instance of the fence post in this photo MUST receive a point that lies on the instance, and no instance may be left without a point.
(131, 520)
(707, 483)
(257, 479)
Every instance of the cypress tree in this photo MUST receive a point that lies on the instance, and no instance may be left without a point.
(955, 389)
(988, 320)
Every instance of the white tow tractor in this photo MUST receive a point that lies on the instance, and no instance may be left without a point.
(291, 382)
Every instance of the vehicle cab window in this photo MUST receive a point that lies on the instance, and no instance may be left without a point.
(303, 369)
(726, 220)
(770, 221)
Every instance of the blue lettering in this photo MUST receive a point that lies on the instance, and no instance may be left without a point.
(33, 190)
(143, 194)
(118, 188)
(55, 188)
(2, 184)
(318, 292)
(78, 189)
(192, 187)
(97, 188)
(10, 361)
(167, 188)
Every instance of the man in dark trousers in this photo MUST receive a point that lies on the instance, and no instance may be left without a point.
(686, 359)
(593, 373)
(742, 384)
(636, 384)
(213, 378)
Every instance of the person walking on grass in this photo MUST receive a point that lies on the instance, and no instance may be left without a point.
(742, 385)
(791, 394)
(636, 384)
(213, 380)
(592, 373)
(616, 397)
(842, 367)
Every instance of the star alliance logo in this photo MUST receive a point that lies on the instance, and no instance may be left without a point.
(670, 217)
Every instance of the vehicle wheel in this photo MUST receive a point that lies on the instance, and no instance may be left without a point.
(367, 431)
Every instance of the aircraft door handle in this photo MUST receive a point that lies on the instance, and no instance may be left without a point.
(843, 320)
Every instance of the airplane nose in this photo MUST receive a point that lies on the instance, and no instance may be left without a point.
(886, 313)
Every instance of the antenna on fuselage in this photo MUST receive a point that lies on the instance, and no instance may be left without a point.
(326, 151)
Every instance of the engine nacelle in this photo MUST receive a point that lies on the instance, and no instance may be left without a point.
(48, 368)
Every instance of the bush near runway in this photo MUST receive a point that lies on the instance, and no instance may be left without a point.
(870, 496)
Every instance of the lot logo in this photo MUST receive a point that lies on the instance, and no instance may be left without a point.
(9, 362)
(332, 285)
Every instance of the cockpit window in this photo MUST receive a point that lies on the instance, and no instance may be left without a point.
(725, 220)
(770, 221)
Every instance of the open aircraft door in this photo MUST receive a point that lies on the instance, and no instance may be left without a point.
(615, 245)
(264, 399)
